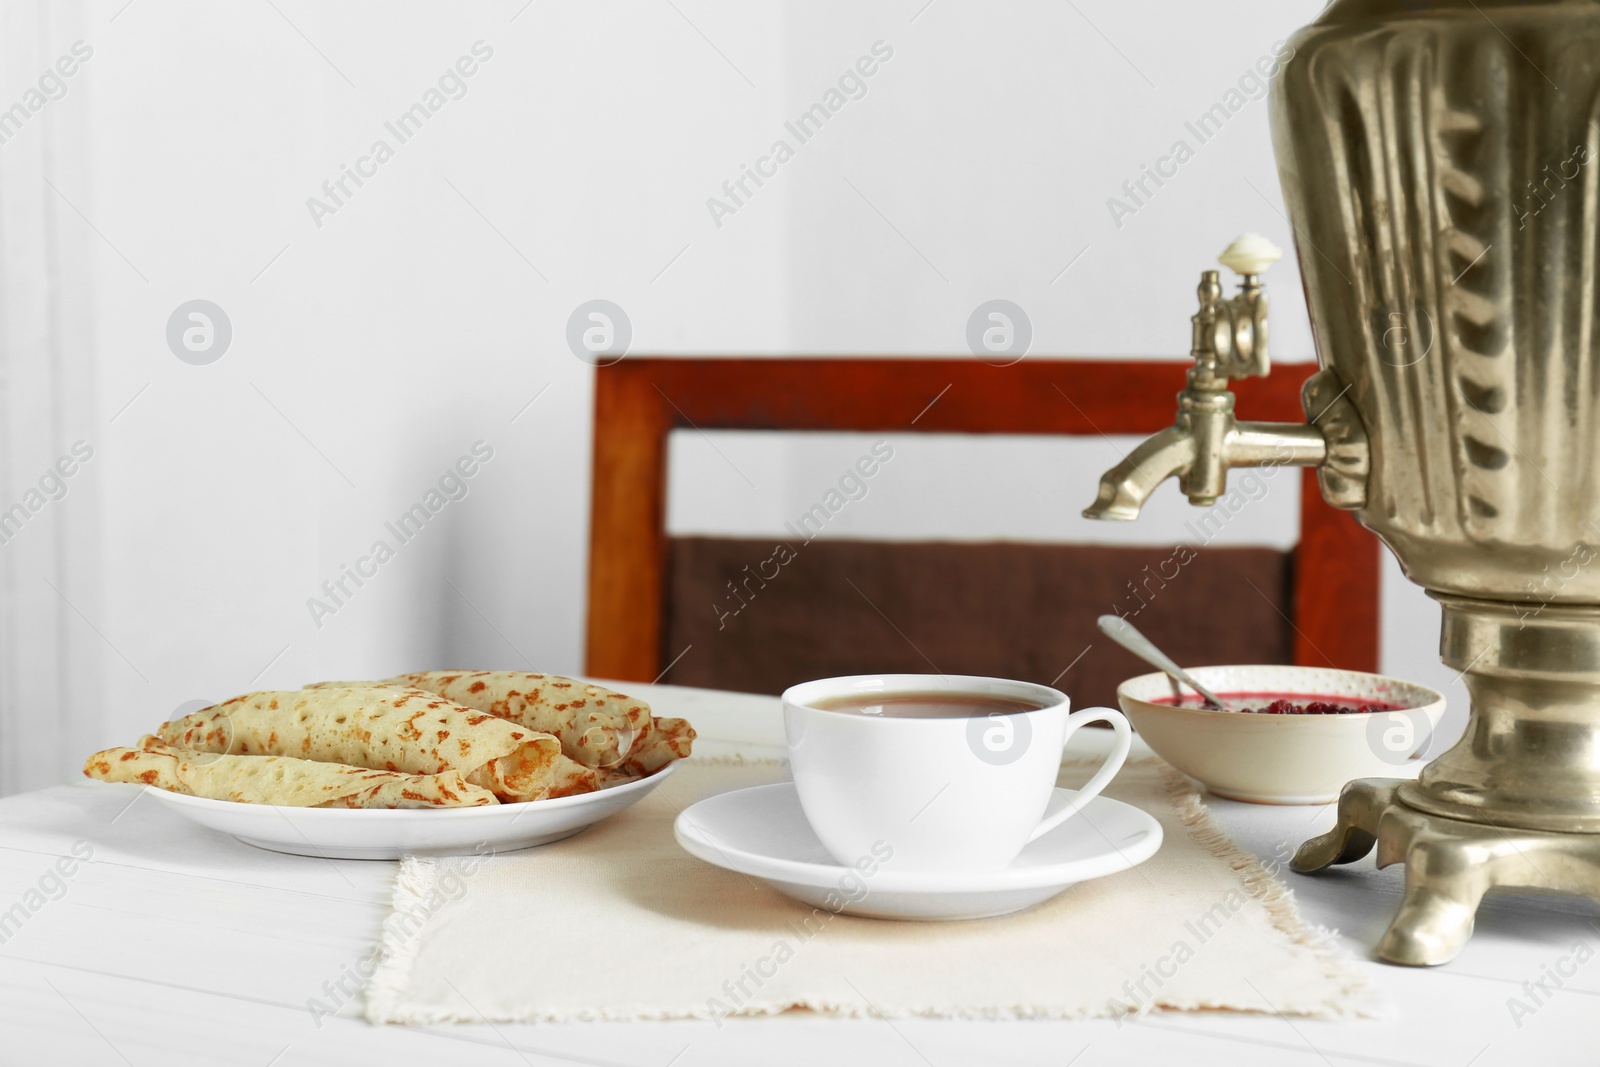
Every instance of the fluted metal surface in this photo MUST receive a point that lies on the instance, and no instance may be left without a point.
(1440, 165)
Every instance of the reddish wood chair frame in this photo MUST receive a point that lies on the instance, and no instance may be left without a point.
(638, 401)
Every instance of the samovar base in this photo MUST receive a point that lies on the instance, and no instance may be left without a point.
(1450, 865)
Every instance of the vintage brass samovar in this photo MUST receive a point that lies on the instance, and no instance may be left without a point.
(1438, 162)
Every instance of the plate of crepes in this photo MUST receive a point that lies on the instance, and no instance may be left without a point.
(438, 762)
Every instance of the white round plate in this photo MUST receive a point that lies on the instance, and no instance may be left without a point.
(761, 832)
(389, 833)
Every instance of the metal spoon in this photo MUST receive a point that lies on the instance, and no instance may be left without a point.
(1123, 633)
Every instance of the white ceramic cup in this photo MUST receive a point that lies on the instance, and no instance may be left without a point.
(946, 794)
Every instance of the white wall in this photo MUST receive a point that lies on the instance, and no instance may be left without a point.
(370, 352)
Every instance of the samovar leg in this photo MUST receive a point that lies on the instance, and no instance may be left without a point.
(1433, 925)
(1446, 877)
(1361, 807)
(1450, 865)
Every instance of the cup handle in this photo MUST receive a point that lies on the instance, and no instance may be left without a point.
(1103, 776)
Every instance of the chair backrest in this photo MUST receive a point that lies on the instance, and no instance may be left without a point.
(649, 594)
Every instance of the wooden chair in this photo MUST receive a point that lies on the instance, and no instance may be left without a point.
(1329, 593)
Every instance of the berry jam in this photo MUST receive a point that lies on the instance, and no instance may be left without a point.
(1285, 704)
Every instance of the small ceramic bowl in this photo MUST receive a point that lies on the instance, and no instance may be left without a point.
(1286, 759)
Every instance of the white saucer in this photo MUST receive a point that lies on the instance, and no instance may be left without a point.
(386, 834)
(761, 832)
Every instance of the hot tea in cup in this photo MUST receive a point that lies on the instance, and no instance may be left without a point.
(925, 705)
(954, 773)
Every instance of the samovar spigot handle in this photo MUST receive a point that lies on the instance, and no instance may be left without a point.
(1231, 334)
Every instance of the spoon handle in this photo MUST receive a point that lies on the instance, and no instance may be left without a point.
(1123, 633)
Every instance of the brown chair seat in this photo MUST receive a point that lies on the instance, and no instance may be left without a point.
(760, 615)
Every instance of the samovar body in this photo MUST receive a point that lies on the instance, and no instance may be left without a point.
(1439, 163)
(1437, 160)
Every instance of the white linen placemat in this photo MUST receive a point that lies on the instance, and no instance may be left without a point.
(620, 923)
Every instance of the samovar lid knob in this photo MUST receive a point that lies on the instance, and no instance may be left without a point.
(1250, 254)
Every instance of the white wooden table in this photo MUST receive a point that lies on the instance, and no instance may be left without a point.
(174, 945)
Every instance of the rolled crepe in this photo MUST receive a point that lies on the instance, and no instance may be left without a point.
(598, 727)
(386, 729)
(282, 780)
(663, 740)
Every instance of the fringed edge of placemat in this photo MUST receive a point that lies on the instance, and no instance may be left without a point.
(397, 949)
(1357, 999)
